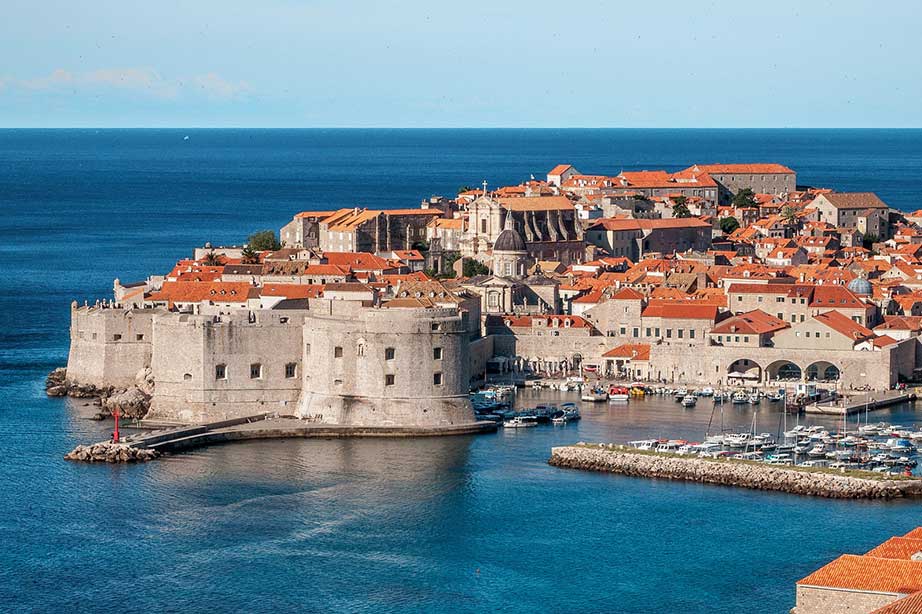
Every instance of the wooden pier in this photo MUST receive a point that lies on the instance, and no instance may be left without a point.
(858, 403)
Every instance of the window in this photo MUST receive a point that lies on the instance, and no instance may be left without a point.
(389, 353)
(437, 379)
(291, 370)
(636, 332)
(668, 333)
(736, 339)
(436, 326)
(691, 333)
(389, 379)
(437, 353)
(745, 339)
(187, 377)
(657, 332)
(648, 331)
(139, 337)
(337, 352)
(759, 299)
(116, 337)
(739, 299)
(622, 331)
(220, 372)
(256, 371)
(483, 226)
(806, 333)
(307, 349)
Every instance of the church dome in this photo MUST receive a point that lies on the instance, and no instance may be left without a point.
(509, 240)
(860, 285)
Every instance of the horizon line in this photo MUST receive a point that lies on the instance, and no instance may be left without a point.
(461, 127)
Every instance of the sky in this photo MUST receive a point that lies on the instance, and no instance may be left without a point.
(313, 63)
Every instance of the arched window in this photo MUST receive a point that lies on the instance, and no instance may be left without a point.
(187, 377)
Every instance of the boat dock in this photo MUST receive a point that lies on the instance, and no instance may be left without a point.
(857, 403)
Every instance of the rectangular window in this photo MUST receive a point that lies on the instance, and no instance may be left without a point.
(437, 379)
(745, 339)
(389, 353)
(680, 332)
(623, 331)
(736, 339)
(307, 349)
(691, 333)
(291, 369)
(139, 337)
(337, 352)
(437, 353)
(389, 379)
(668, 333)
(636, 332)
(657, 332)
(220, 372)
(648, 331)
(256, 371)
(116, 337)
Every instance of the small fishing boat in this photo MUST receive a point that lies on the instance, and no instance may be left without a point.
(689, 400)
(753, 399)
(619, 394)
(740, 398)
(596, 395)
(707, 391)
(521, 422)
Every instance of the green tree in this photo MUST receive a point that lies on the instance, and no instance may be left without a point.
(788, 214)
(868, 240)
(213, 259)
(745, 198)
(249, 255)
(472, 268)
(464, 188)
(680, 210)
(263, 240)
(729, 224)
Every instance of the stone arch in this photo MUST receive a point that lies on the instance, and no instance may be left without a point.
(822, 370)
(744, 370)
(784, 370)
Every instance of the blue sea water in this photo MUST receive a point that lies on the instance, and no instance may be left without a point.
(465, 524)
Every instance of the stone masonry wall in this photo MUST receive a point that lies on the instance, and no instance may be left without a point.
(108, 346)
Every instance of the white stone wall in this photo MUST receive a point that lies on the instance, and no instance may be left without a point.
(108, 346)
(350, 377)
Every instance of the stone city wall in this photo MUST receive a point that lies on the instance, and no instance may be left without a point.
(817, 600)
(384, 367)
(211, 368)
(108, 347)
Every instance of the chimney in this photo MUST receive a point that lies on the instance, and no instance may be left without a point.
(917, 556)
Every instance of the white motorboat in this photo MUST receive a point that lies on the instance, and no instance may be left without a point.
(689, 400)
(740, 398)
(521, 422)
(594, 396)
(707, 391)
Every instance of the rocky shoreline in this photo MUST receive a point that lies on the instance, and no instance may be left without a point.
(626, 461)
(132, 402)
(109, 452)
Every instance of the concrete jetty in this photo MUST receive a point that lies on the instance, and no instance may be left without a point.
(857, 403)
(260, 426)
(796, 480)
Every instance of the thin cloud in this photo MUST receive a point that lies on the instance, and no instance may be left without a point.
(144, 81)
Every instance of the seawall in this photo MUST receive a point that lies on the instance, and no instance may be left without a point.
(801, 481)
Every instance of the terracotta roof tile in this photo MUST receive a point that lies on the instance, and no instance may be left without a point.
(866, 573)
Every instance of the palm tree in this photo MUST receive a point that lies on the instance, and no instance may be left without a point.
(212, 259)
(249, 255)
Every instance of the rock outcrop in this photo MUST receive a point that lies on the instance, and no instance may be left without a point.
(626, 461)
(109, 452)
(132, 402)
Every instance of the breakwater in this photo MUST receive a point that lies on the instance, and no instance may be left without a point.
(801, 481)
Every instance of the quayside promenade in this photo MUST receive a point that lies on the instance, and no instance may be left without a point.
(820, 482)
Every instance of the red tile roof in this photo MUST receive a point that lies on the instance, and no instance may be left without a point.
(560, 169)
(635, 351)
(844, 325)
(911, 604)
(897, 548)
(680, 310)
(866, 573)
(293, 290)
(743, 169)
(755, 322)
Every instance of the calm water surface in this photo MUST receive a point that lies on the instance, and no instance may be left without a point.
(466, 524)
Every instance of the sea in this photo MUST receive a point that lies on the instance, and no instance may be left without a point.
(461, 524)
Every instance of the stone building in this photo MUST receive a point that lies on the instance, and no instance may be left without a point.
(862, 211)
(549, 225)
(365, 230)
(304, 229)
(636, 238)
(760, 178)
